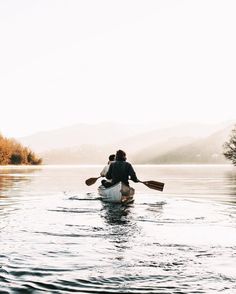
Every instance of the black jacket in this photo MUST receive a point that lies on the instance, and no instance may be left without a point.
(120, 171)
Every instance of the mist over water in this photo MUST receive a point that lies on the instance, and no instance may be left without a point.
(57, 236)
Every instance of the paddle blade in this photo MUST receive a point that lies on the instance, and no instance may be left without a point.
(91, 181)
(154, 185)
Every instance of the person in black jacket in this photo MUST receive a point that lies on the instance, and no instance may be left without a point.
(120, 170)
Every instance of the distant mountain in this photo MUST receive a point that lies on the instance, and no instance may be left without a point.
(205, 150)
(81, 134)
(131, 136)
(147, 154)
(91, 144)
(85, 154)
(169, 136)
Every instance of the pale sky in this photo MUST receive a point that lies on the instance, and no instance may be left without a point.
(72, 61)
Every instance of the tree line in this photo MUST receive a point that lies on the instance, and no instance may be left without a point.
(12, 152)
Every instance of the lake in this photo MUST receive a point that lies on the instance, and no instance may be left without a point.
(57, 236)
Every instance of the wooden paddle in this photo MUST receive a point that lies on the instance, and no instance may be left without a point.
(91, 181)
(150, 184)
(154, 185)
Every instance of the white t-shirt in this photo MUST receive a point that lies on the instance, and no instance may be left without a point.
(105, 170)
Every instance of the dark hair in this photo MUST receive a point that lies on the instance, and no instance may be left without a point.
(112, 157)
(120, 155)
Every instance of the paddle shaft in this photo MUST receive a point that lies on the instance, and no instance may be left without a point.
(150, 184)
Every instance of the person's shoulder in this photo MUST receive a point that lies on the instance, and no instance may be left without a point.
(128, 163)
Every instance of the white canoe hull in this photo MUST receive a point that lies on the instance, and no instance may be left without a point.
(118, 193)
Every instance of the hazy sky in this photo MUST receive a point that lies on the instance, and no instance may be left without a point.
(65, 62)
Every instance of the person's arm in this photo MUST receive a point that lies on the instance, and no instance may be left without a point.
(109, 172)
(132, 174)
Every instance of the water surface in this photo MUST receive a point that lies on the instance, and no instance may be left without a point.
(58, 237)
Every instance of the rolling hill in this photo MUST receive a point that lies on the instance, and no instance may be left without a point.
(207, 150)
(91, 144)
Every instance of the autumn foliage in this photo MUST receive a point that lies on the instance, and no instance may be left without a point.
(12, 152)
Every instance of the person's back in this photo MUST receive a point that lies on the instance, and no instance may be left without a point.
(120, 170)
(105, 170)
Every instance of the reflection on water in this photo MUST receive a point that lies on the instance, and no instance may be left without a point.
(231, 184)
(58, 237)
(10, 177)
(12, 185)
(116, 213)
(120, 222)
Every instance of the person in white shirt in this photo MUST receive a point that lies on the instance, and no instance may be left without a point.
(105, 169)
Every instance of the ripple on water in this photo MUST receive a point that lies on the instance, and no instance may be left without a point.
(73, 210)
(131, 283)
(182, 241)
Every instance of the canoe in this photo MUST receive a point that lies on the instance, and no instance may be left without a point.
(119, 193)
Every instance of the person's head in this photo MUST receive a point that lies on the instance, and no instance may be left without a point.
(120, 155)
(112, 157)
